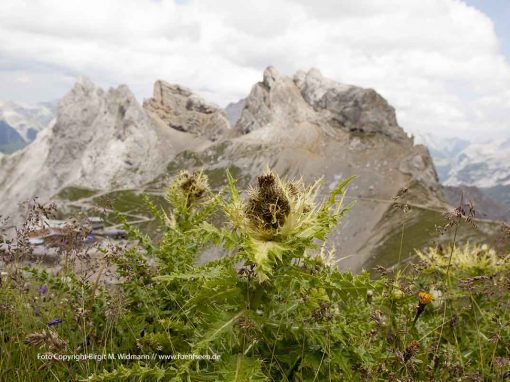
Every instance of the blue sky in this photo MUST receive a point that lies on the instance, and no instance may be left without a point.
(443, 64)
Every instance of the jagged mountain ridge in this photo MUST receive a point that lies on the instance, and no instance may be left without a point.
(302, 126)
(178, 108)
(99, 140)
(464, 165)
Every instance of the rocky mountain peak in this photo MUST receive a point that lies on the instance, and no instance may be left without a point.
(302, 126)
(83, 86)
(179, 108)
(314, 85)
(345, 107)
(354, 108)
(101, 139)
(270, 76)
(274, 102)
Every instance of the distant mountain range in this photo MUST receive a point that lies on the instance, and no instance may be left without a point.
(105, 145)
(443, 151)
(460, 163)
(20, 124)
(482, 165)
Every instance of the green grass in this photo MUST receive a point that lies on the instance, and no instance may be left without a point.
(275, 309)
(76, 193)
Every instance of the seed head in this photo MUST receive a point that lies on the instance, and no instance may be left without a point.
(46, 338)
(411, 350)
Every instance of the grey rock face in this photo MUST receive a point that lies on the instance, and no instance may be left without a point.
(101, 139)
(177, 107)
(353, 108)
(276, 101)
(345, 107)
(420, 166)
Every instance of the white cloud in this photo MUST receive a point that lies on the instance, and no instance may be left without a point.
(437, 61)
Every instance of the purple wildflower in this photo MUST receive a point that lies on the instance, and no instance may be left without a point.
(43, 289)
(55, 322)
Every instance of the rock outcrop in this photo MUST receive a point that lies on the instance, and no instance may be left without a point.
(101, 139)
(345, 107)
(179, 108)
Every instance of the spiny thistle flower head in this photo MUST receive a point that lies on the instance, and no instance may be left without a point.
(467, 257)
(277, 207)
(188, 188)
(282, 217)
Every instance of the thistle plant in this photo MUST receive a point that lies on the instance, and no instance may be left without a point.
(271, 305)
(280, 220)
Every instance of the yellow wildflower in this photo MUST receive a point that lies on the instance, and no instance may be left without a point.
(425, 298)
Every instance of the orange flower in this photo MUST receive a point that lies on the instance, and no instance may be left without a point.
(424, 298)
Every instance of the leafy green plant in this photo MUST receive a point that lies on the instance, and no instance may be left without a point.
(271, 305)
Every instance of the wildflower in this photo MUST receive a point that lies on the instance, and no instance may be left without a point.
(280, 215)
(424, 298)
(268, 206)
(411, 350)
(188, 188)
(56, 321)
(43, 289)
